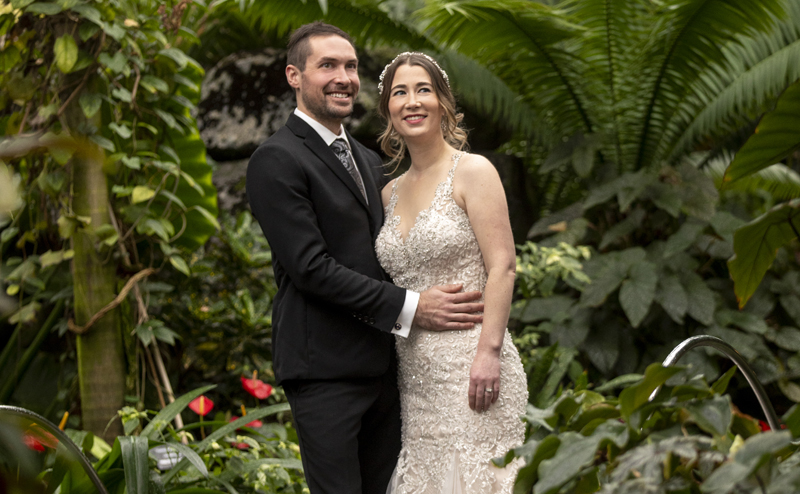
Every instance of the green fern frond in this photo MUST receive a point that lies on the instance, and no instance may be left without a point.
(694, 39)
(363, 20)
(780, 181)
(518, 41)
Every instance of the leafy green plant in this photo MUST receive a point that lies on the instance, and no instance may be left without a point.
(756, 244)
(96, 110)
(688, 439)
(243, 455)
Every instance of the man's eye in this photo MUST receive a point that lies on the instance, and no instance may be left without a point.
(326, 65)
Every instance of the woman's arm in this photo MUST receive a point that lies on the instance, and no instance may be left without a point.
(480, 193)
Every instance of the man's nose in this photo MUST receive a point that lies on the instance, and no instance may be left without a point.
(341, 76)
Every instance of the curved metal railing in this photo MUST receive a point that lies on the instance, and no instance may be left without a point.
(62, 438)
(730, 352)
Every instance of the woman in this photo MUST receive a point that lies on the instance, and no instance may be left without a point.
(462, 392)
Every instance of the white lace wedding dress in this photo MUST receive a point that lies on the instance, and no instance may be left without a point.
(447, 447)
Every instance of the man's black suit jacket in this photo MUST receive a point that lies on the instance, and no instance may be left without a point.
(335, 305)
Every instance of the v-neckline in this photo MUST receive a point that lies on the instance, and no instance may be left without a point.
(439, 190)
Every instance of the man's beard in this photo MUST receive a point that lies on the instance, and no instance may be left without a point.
(325, 110)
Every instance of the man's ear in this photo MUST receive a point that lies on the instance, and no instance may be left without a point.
(293, 75)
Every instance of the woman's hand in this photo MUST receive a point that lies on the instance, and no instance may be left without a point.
(484, 380)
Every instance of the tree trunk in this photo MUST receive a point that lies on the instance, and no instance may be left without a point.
(101, 361)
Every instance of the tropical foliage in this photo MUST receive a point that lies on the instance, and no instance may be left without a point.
(239, 454)
(687, 439)
(113, 172)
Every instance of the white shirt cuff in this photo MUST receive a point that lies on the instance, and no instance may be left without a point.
(403, 325)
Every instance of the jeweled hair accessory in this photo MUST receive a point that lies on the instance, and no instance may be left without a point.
(383, 74)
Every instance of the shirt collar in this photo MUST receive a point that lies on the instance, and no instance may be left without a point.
(323, 131)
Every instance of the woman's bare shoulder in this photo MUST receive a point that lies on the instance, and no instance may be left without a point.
(476, 168)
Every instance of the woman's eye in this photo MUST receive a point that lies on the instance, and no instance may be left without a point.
(399, 92)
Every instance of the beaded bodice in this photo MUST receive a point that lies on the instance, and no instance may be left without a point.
(440, 248)
(446, 445)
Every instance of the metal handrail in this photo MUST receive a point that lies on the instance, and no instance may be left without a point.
(62, 437)
(730, 352)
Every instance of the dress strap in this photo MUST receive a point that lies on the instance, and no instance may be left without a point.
(456, 158)
(393, 198)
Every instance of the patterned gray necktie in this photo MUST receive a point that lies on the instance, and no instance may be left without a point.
(339, 148)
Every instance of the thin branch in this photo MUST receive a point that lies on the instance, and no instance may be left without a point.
(113, 304)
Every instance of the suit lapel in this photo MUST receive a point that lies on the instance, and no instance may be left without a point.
(370, 184)
(314, 142)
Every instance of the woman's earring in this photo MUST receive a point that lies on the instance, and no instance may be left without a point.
(444, 125)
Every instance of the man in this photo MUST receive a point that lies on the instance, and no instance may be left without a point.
(318, 203)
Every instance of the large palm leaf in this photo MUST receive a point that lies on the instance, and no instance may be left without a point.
(519, 41)
(362, 19)
(756, 70)
(691, 41)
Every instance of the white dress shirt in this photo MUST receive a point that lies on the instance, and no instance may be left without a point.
(403, 325)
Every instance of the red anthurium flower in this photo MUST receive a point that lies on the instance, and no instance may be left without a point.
(201, 405)
(37, 439)
(254, 424)
(32, 443)
(764, 426)
(241, 445)
(256, 387)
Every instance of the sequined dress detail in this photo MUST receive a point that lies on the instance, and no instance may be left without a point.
(447, 447)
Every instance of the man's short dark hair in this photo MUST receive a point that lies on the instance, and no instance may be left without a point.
(299, 47)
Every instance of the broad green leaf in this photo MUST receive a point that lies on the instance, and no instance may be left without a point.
(623, 228)
(66, 52)
(89, 13)
(179, 57)
(637, 292)
(141, 193)
(756, 244)
(683, 238)
(637, 395)
(211, 219)
(551, 308)
(157, 226)
(43, 8)
(115, 63)
(20, 4)
(701, 298)
(785, 337)
(50, 258)
(179, 264)
(721, 384)
(671, 296)
(169, 412)
(792, 420)
(777, 136)
(252, 415)
(167, 118)
(576, 452)
(135, 461)
(154, 84)
(712, 415)
(122, 94)
(757, 447)
(618, 382)
(25, 314)
(744, 320)
(191, 456)
(121, 130)
(602, 346)
(90, 104)
(172, 197)
(103, 142)
(133, 163)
